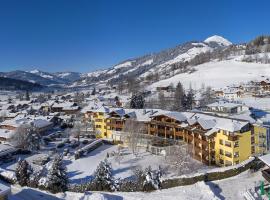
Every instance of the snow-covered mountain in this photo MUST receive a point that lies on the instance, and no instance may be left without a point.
(219, 40)
(69, 76)
(31, 77)
(168, 62)
(43, 78)
(214, 61)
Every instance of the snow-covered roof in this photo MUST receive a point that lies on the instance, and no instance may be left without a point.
(39, 122)
(210, 121)
(265, 159)
(5, 133)
(230, 125)
(207, 123)
(224, 104)
(63, 104)
(171, 114)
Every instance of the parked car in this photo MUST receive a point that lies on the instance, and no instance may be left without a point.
(60, 145)
(85, 141)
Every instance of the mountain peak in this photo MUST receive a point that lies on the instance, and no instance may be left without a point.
(218, 39)
(34, 71)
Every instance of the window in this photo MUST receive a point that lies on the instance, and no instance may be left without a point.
(221, 142)
(252, 149)
(221, 152)
(236, 154)
(252, 140)
(228, 144)
(236, 144)
(228, 154)
(221, 161)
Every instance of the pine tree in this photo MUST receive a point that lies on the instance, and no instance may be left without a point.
(137, 101)
(27, 96)
(158, 177)
(103, 179)
(189, 99)
(179, 97)
(93, 92)
(23, 172)
(152, 181)
(57, 176)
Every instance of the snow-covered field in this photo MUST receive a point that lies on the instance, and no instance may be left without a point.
(218, 74)
(83, 168)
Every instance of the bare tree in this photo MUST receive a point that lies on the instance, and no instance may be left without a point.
(161, 99)
(26, 137)
(3, 115)
(133, 131)
(118, 156)
(179, 158)
(121, 87)
(76, 131)
(207, 97)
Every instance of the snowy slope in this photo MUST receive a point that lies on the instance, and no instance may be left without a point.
(197, 49)
(160, 62)
(218, 74)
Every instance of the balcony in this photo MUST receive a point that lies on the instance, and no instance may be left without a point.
(228, 144)
(229, 155)
(232, 138)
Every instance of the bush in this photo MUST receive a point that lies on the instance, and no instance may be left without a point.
(23, 172)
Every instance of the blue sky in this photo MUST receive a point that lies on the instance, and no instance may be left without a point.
(74, 35)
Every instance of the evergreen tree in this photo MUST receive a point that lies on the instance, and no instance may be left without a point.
(161, 100)
(152, 181)
(57, 176)
(103, 179)
(93, 92)
(23, 172)
(137, 101)
(27, 96)
(179, 97)
(189, 99)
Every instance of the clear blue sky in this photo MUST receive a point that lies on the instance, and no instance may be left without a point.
(74, 35)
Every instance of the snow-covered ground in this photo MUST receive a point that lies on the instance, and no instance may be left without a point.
(83, 168)
(231, 189)
(218, 74)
